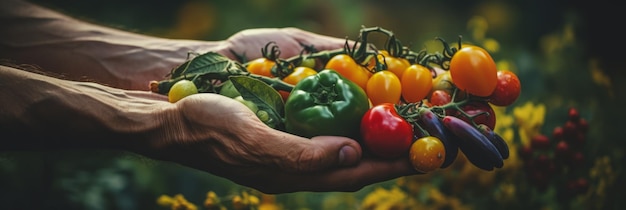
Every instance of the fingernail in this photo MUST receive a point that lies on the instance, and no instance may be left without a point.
(348, 156)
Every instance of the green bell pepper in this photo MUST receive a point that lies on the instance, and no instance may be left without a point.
(325, 104)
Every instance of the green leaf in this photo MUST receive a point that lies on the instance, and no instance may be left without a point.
(210, 62)
(263, 95)
(203, 70)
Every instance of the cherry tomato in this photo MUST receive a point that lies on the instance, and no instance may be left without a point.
(385, 133)
(251, 105)
(507, 89)
(427, 154)
(475, 108)
(474, 71)
(443, 81)
(309, 62)
(394, 64)
(383, 87)
(181, 89)
(261, 66)
(440, 97)
(371, 62)
(416, 83)
(298, 74)
(347, 67)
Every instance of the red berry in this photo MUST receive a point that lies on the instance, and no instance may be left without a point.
(525, 152)
(557, 133)
(573, 115)
(562, 149)
(582, 185)
(540, 141)
(569, 130)
(542, 162)
(576, 187)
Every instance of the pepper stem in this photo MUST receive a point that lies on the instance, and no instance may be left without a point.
(325, 95)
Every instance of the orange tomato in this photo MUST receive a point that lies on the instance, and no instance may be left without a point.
(298, 74)
(416, 83)
(261, 66)
(383, 87)
(427, 154)
(394, 64)
(474, 71)
(348, 68)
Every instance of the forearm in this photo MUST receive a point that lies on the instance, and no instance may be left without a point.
(40, 112)
(80, 50)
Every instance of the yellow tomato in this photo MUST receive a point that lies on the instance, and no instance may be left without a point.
(383, 87)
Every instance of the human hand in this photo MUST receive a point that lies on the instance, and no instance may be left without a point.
(211, 133)
(289, 40)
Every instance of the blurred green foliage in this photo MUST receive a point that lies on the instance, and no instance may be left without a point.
(556, 68)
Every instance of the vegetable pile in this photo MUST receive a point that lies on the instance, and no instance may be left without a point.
(398, 103)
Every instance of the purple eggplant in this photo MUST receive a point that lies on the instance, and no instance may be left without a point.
(496, 140)
(434, 126)
(476, 146)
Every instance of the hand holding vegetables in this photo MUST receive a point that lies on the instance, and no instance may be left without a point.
(399, 120)
(208, 132)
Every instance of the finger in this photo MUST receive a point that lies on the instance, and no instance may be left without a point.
(320, 42)
(341, 151)
(249, 42)
(320, 153)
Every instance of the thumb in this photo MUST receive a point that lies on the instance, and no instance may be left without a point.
(327, 152)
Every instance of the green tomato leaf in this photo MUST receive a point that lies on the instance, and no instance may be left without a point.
(264, 96)
(228, 89)
(210, 62)
(203, 70)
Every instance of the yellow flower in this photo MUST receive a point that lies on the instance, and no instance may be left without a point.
(212, 202)
(268, 202)
(504, 128)
(165, 201)
(530, 118)
(245, 201)
(604, 176)
(383, 199)
(180, 203)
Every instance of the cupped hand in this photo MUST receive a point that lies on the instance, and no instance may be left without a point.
(209, 132)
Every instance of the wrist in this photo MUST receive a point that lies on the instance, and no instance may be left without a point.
(47, 113)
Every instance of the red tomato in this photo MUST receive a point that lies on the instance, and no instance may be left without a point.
(417, 81)
(385, 133)
(383, 87)
(440, 97)
(507, 89)
(347, 67)
(481, 112)
(474, 71)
